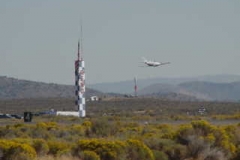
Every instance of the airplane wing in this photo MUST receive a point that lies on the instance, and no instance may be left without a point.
(163, 63)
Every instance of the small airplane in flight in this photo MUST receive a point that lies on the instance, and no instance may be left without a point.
(153, 63)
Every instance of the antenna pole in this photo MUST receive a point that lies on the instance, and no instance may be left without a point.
(78, 50)
(81, 39)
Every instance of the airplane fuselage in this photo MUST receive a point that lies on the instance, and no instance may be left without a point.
(153, 64)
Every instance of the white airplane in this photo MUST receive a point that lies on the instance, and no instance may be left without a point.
(153, 63)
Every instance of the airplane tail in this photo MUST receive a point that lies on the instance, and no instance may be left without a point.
(144, 59)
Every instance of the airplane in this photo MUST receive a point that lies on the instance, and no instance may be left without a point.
(153, 63)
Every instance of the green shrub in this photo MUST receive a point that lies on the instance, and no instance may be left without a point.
(78, 129)
(40, 146)
(103, 128)
(14, 151)
(89, 155)
(203, 127)
(138, 150)
(176, 152)
(159, 155)
(110, 150)
(58, 148)
(87, 124)
(196, 146)
(206, 134)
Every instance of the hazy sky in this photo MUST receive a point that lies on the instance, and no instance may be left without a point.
(38, 38)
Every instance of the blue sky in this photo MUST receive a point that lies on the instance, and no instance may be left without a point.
(38, 39)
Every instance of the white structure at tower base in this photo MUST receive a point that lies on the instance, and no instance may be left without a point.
(68, 113)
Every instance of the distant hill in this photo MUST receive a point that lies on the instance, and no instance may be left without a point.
(219, 89)
(215, 91)
(11, 88)
(209, 88)
(127, 87)
(196, 90)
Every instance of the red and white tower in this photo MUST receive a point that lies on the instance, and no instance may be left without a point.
(80, 83)
(135, 86)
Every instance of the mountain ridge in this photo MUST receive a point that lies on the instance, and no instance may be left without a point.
(12, 88)
(127, 86)
(173, 89)
(201, 90)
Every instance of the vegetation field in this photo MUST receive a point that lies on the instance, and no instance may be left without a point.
(122, 129)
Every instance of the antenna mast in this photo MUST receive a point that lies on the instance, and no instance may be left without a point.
(78, 51)
(80, 44)
(81, 39)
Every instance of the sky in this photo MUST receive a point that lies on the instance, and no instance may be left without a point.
(38, 39)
